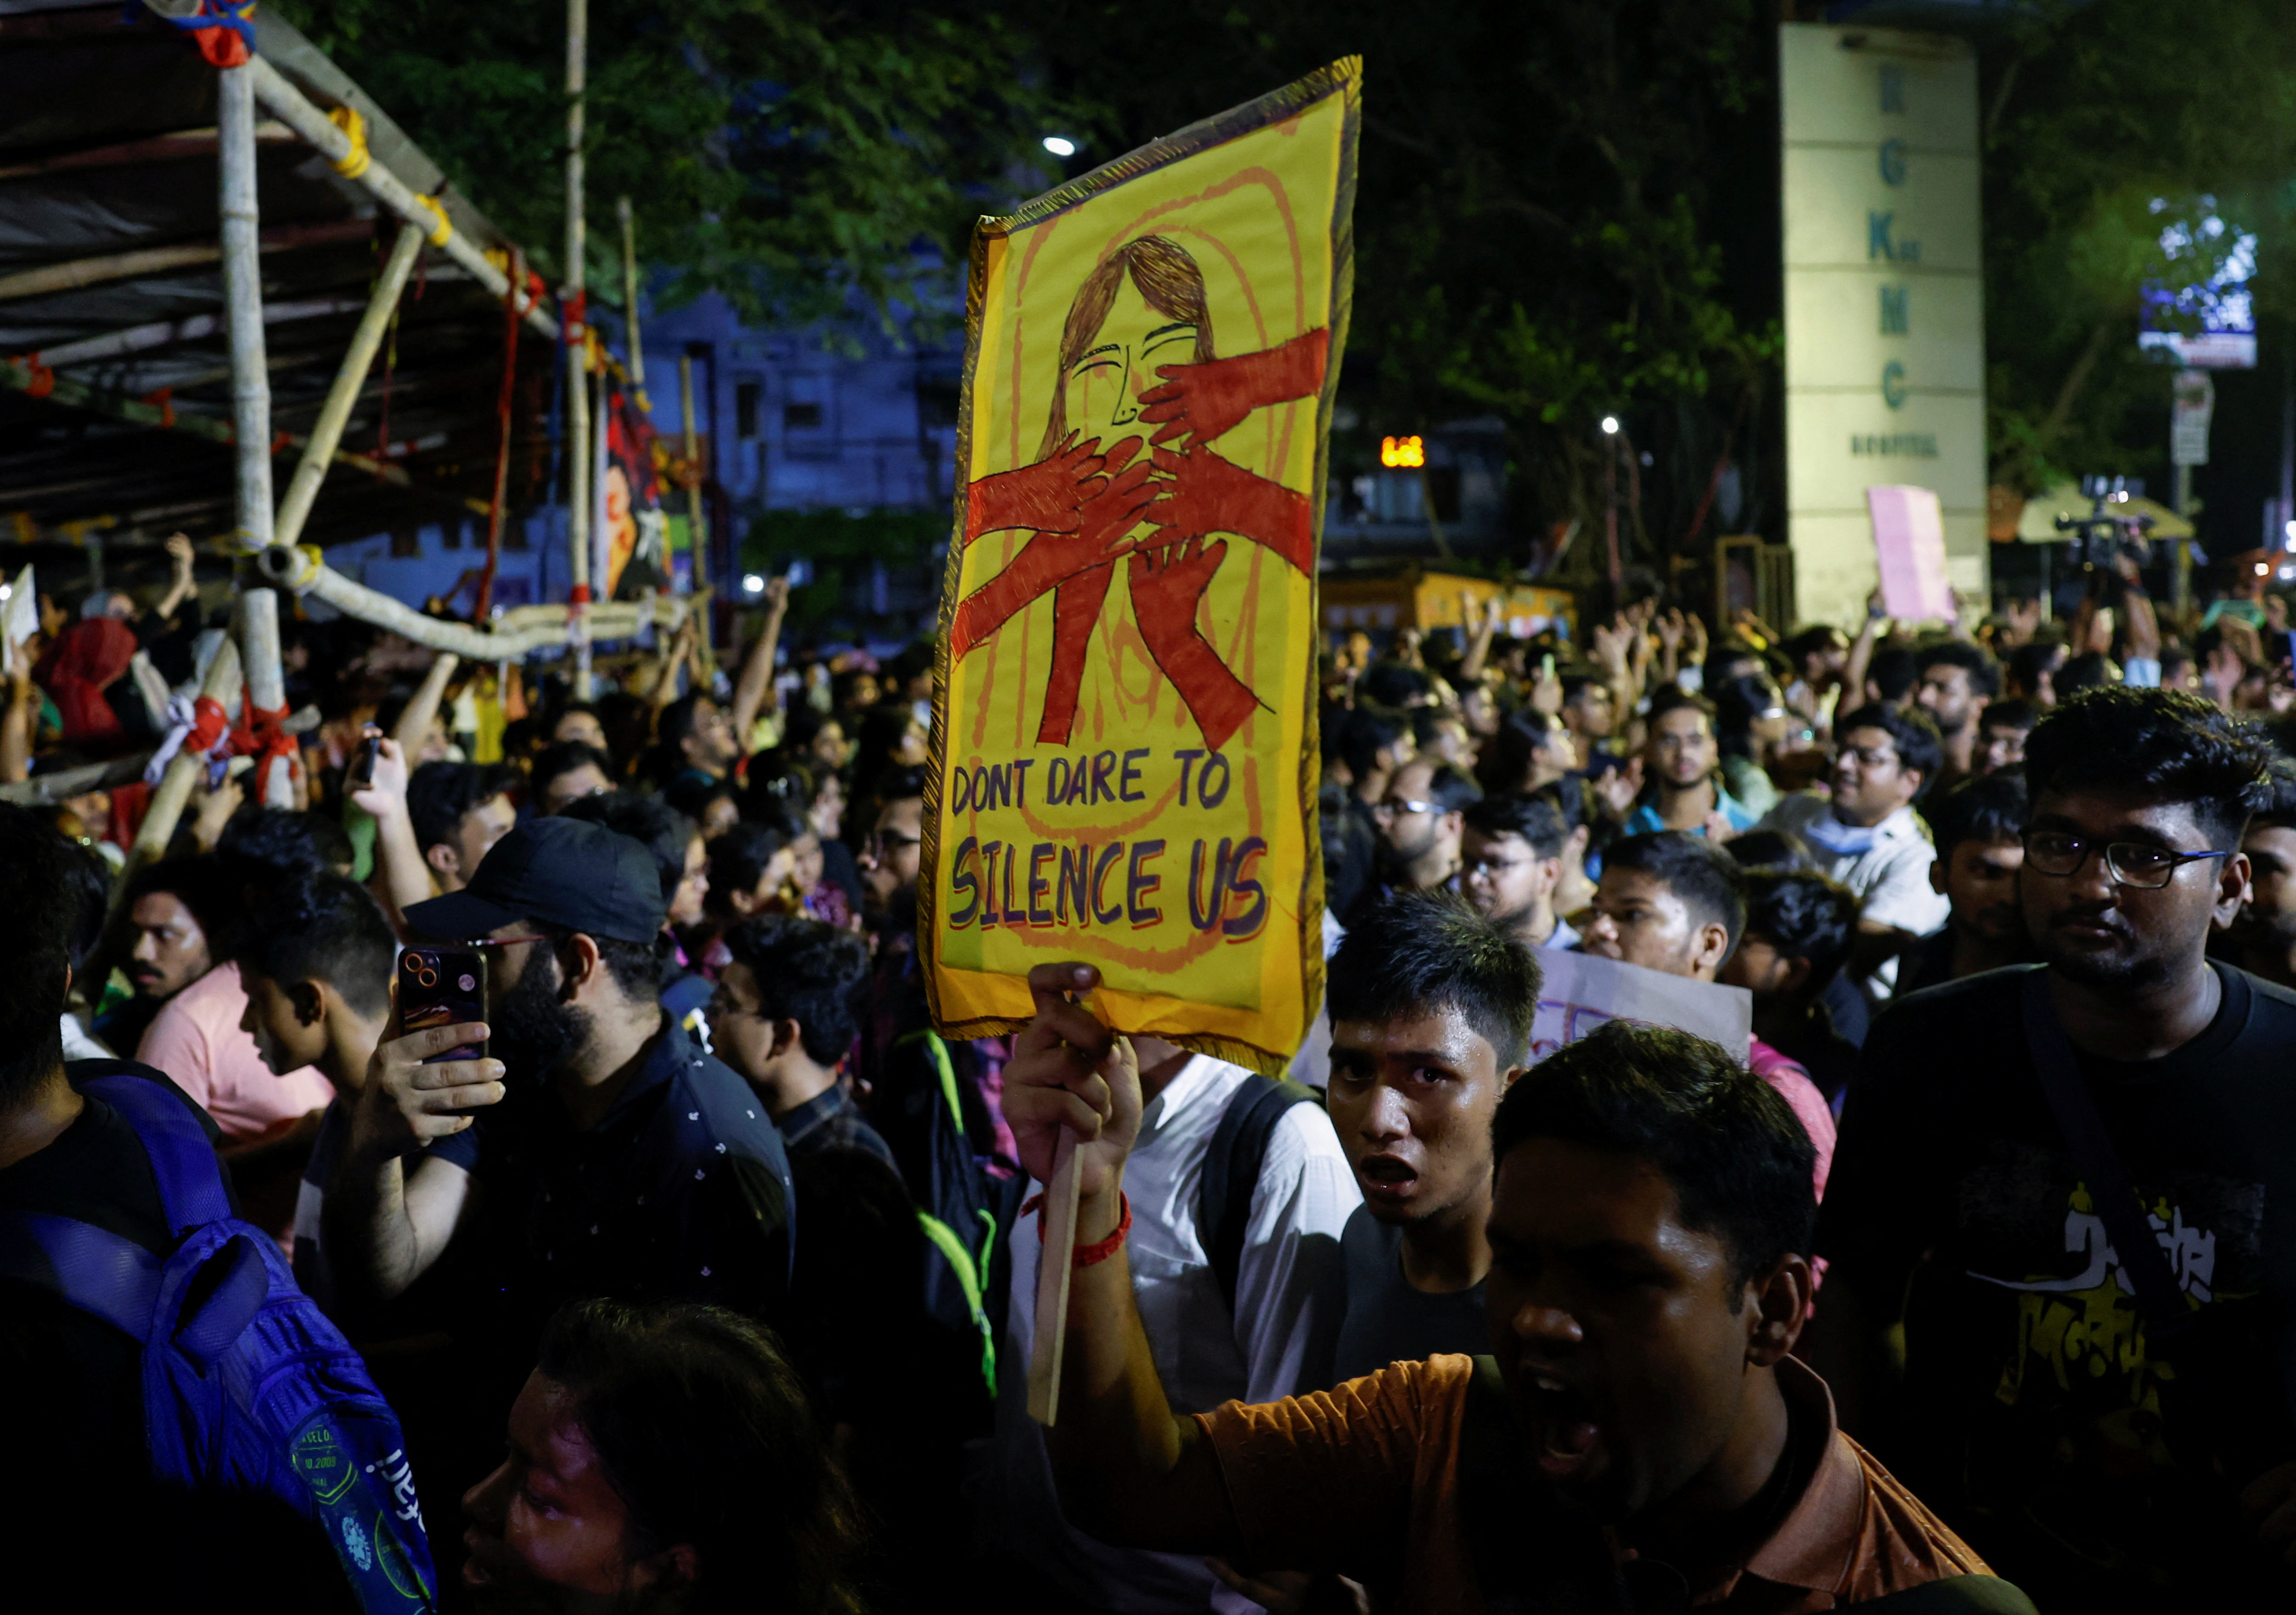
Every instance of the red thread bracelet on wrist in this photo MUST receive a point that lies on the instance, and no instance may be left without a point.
(1086, 1256)
(1089, 1255)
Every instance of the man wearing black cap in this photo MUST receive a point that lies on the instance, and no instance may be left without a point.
(599, 1150)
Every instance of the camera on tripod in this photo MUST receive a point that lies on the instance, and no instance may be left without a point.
(2102, 539)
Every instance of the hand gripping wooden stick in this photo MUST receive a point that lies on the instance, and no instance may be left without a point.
(1058, 1234)
(1054, 1262)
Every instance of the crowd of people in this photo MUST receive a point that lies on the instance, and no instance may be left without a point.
(689, 1266)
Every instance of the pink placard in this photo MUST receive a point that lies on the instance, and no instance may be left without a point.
(1909, 541)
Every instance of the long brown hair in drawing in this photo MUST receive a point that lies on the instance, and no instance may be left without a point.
(1083, 502)
(1169, 282)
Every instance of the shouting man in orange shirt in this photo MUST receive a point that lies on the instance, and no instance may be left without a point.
(1642, 1437)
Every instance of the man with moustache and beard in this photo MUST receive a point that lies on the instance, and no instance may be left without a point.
(1978, 827)
(596, 1149)
(2109, 1433)
(2262, 940)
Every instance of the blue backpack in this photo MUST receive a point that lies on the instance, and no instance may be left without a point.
(250, 1388)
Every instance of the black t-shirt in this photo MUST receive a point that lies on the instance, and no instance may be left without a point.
(75, 1403)
(2035, 1416)
(1387, 1319)
(682, 1190)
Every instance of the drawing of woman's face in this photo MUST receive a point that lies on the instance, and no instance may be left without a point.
(1105, 383)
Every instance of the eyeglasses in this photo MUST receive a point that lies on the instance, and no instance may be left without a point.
(1402, 805)
(882, 845)
(722, 1008)
(1866, 756)
(2128, 864)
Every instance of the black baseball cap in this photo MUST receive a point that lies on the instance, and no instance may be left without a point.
(561, 871)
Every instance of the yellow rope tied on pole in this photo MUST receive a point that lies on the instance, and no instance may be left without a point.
(352, 163)
(445, 233)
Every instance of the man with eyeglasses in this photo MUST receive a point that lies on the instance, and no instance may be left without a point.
(1999, 1126)
(1511, 848)
(1864, 833)
(1419, 825)
(596, 1149)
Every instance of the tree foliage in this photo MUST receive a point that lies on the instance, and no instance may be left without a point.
(1565, 208)
(2105, 124)
(793, 156)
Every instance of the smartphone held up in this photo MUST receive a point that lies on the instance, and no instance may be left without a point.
(443, 987)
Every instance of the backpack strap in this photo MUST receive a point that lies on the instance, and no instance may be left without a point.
(1232, 1164)
(2157, 1297)
(183, 1162)
(91, 1268)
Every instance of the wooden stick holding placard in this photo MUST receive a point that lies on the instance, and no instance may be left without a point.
(1056, 1259)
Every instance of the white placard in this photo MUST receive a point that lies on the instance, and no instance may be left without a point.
(1582, 991)
(19, 618)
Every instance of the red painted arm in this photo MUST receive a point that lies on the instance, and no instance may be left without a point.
(1050, 557)
(1209, 494)
(1167, 586)
(1048, 495)
(1206, 401)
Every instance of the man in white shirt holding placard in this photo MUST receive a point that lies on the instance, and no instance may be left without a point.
(1273, 1336)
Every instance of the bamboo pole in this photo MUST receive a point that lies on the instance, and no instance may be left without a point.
(517, 632)
(630, 299)
(267, 685)
(602, 404)
(159, 829)
(45, 790)
(294, 109)
(577, 345)
(156, 260)
(242, 290)
(697, 533)
(166, 332)
(19, 374)
(335, 414)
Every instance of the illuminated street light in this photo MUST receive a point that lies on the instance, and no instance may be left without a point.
(1610, 425)
(1059, 146)
(1402, 453)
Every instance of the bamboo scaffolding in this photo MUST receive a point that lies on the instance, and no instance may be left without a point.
(23, 378)
(335, 414)
(296, 110)
(158, 261)
(167, 332)
(156, 148)
(45, 790)
(266, 684)
(697, 533)
(242, 293)
(630, 299)
(578, 348)
(222, 686)
(517, 633)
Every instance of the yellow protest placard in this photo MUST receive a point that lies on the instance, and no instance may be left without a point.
(1124, 754)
